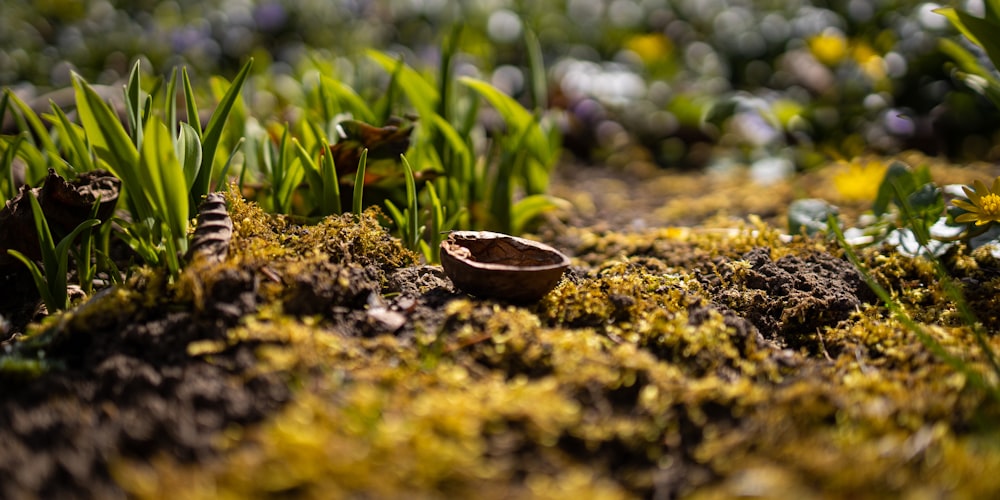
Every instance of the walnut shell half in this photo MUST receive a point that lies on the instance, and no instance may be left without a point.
(500, 266)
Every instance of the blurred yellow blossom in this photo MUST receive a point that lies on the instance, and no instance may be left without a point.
(828, 47)
(859, 179)
(650, 47)
(870, 62)
(983, 205)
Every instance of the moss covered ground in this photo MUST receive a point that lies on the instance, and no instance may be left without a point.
(714, 360)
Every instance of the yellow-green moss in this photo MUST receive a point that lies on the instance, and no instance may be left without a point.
(628, 377)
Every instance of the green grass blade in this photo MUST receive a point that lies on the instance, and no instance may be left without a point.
(213, 132)
(84, 270)
(445, 80)
(164, 179)
(324, 102)
(50, 260)
(457, 145)
(170, 106)
(77, 139)
(397, 217)
(331, 185)
(529, 208)
(422, 95)
(536, 70)
(351, 101)
(929, 342)
(134, 105)
(58, 281)
(280, 173)
(436, 231)
(36, 274)
(110, 141)
(984, 34)
(31, 120)
(312, 175)
(359, 182)
(520, 120)
(190, 104)
(413, 217)
(221, 181)
(8, 163)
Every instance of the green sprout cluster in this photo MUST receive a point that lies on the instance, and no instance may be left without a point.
(430, 174)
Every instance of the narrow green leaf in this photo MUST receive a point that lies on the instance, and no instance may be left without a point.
(165, 181)
(350, 100)
(84, 270)
(952, 15)
(8, 163)
(397, 217)
(515, 116)
(529, 208)
(191, 106)
(280, 173)
(58, 281)
(36, 274)
(312, 175)
(189, 153)
(134, 105)
(359, 182)
(437, 228)
(985, 34)
(213, 132)
(221, 181)
(445, 80)
(331, 185)
(421, 94)
(899, 312)
(170, 108)
(413, 219)
(536, 70)
(35, 123)
(324, 102)
(37, 165)
(76, 136)
(110, 141)
(50, 260)
(136, 236)
(457, 145)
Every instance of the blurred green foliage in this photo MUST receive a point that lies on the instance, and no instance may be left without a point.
(636, 76)
(837, 77)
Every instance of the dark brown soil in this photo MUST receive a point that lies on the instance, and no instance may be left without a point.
(128, 389)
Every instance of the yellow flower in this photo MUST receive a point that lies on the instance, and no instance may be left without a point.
(829, 47)
(859, 180)
(651, 48)
(983, 205)
(870, 62)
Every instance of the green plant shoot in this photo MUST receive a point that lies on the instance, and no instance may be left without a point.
(51, 282)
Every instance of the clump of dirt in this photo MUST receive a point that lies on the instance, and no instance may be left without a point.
(791, 298)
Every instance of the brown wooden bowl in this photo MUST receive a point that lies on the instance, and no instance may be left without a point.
(500, 266)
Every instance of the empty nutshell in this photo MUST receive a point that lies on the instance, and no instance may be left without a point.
(500, 266)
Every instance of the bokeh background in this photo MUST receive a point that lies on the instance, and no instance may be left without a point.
(675, 83)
